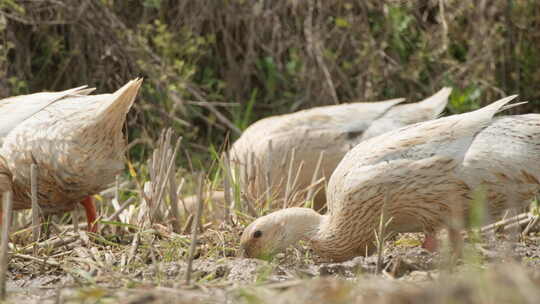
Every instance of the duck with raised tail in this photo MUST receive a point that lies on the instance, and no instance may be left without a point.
(75, 139)
(424, 175)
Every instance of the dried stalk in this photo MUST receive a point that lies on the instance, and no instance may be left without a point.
(251, 210)
(295, 181)
(531, 225)
(160, 167)
(194, 227)
(116, 200)
(122, 208)
(315, 48)
(269, 173)
(173, 197)
(133, 249)
(47, 260)
(289, 176)
(380, 235)
(227, 176)
(519, 224)
(117, 188)
(252, 165)
(36, 224)
(235, 193)
(187, 224)
(314, 185)
(112, 190)
(53, 243)
(6, 211)
(75, 219)
(504, 224)
(212, 109)
(311, 192)
(221, 117)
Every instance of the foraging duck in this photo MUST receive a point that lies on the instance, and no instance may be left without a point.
(423, 176)
(75, 139)
(264, 151)
(214, 210)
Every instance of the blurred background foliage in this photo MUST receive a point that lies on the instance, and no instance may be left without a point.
(212, 67)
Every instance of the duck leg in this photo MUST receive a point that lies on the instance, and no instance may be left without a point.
(91, 215)
(430, 242)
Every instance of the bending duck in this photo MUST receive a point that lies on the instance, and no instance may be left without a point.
(75, 139)
(264, 155)
(214, 206)
(427, 172)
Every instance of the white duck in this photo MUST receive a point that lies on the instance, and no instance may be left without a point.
(75, 140)
(427, 171)
(264, 150)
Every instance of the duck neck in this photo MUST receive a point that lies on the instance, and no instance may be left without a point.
(332, 245)
(301, 224)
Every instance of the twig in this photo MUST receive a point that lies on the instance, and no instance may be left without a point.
(75, 218)
(269, 168)
(7, 209)
(252, 166)
(47, 261)
(133, 249)
(381, 236)
(213, 109)
(187, 224)
(519, 224)
(54, 226)
(505, 223)
(194, 227)
(310, 195)
(117, 188)
(227, 176)
(162, 163)
(314, 47)
(531, 225)
(251, 210)
(122, 208)
(112, 190)
(36, 225)
(236, 191)
(289, 177)
(116, 200)
(214, 103)
(295, 181)
(444, 26)
(53, 243)
(283, 284)
(173, 197)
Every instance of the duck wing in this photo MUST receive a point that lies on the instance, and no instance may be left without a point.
(15, 110)
(349, 117)
(406, 114)
(444, 140)
(506, 157)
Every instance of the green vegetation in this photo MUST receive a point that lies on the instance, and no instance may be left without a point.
(252, 59)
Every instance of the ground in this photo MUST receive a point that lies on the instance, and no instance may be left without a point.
(150, 267)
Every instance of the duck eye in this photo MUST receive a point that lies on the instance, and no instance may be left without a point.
(257, 234)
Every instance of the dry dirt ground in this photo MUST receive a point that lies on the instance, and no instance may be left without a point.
(150, 267)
